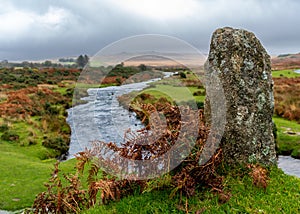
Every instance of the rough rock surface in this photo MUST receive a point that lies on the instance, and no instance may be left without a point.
(243, 67)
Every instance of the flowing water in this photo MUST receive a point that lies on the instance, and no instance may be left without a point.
(289, 165)
(102, 118)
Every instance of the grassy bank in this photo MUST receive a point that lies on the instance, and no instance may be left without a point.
(288, 137)
(175, 89)
(28, 147)
(285, 73)
(281, 196)
(23, 175)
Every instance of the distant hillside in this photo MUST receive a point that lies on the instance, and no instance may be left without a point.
(286, 61)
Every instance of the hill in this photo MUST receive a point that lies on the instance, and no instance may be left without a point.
(286, 61)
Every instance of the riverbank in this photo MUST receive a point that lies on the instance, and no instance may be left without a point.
(287, 137)
(241, 196)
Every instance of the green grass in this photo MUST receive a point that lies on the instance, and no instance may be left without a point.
(21, 178)
(27, 132)
(62, 90)
(281, 196)
(287, 143)
(178, 94)
(171, 89)
(23, 173)
(87, 86)
(285, 73)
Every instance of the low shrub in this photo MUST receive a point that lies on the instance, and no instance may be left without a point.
(32, 141)
(182, 75)
(199, 93)
(296, 153)
(57, 143)
(10, 135)
(3, 127)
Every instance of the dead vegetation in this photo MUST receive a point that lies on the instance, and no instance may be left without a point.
(287, 102)
(259, 176)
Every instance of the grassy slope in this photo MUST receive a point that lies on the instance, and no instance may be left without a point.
(24, 169)
(285, 73)
(23, 175)
(178, 94)
(281, 196)
(287, 143)
(173, 90)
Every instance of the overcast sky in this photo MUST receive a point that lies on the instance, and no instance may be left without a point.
(43, 29)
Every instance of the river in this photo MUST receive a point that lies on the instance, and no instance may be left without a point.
(103, 119)
(289, 165)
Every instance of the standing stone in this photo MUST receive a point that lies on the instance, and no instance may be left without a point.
(243, 67)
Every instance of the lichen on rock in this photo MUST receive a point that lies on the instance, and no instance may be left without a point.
(244, 69)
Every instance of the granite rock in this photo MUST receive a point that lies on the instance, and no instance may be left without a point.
(243, 67)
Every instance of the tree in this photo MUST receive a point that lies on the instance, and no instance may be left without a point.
(48, 63)
(82, 61)
(5, 61)
(142, 67)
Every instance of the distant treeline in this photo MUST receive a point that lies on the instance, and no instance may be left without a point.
(78, 62)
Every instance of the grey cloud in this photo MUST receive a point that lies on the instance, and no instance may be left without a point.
(53, 28)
